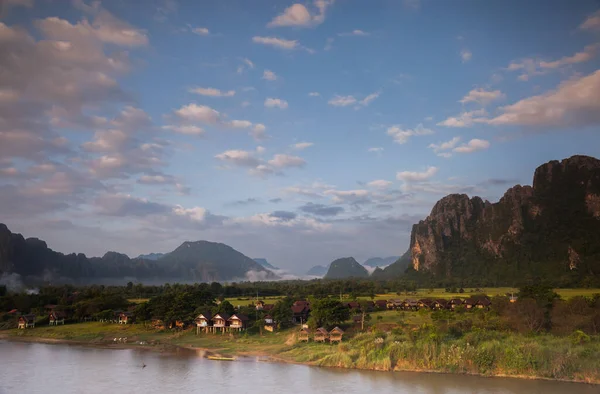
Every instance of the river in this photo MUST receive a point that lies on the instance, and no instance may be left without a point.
(29, 368)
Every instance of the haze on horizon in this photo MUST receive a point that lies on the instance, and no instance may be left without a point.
(300, 133)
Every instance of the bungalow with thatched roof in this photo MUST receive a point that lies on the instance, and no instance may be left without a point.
(321, 335)
(336, 334)
(56, 318)
(303, 334)
(26, 321)
(453, 303)
(238, 322)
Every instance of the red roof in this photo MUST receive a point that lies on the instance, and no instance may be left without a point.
(298, 309)
(13, 311)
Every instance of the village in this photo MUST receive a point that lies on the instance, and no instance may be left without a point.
(223, 323)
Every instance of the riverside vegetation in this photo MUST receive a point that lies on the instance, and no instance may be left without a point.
(539, 336)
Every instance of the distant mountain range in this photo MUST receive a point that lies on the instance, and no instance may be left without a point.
(346, 267)
(151, 256)
(265, 264)
(375, 262)
(200, 261)
(317, 270)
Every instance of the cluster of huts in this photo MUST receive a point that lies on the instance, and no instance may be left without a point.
(321, 335)
(220, 322)
(425, 303)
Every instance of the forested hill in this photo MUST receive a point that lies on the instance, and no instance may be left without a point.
(550, 231)
(346, 267)
(198, 261)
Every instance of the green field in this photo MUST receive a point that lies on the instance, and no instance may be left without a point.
(432, 293)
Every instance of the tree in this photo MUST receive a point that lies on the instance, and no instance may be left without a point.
(282, 312)
(224, 307)
(327, 312)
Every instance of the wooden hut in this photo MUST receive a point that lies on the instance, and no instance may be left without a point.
(336, 334)
(126, 318)
(321, 335)
(410, 305)
(56, 318)
(202, 322)
(269, 323)
(381, 304)
(453, 303)
(26, 321)
(303, 334)
(238, 322)
(353, 305)
(470, 303)
(219, 322)
(425, 303)
(439, 304)
(260, 305)
(268, 307)
(300, 311)
(483, 303)
(395, 304)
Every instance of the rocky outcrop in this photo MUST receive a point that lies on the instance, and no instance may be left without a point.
(552, 226)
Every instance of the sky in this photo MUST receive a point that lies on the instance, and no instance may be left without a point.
(297, 132)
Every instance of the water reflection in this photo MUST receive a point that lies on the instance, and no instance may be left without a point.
(31, 368)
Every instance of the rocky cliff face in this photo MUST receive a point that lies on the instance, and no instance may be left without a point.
(552, 227)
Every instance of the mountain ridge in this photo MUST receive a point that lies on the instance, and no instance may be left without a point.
(549, 230)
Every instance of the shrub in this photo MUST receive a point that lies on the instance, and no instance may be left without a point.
(579, 337)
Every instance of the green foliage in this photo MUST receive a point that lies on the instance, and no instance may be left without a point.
(327, 312)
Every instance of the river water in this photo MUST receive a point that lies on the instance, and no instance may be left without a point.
(29, 368)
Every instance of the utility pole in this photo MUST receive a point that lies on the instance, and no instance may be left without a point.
(362, 322)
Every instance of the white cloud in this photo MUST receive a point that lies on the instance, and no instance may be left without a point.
(201, 31)
(269, 75)
(342, 101)
(379, 183)
(302, 145)
(212, 92)
(465, 119)
(530, 67)
(482, 96)
(198, 113)
(367, 100)
(298, 15)
(329, 44)
(442, 148)
(347, 196)
(259, 132)
(472, 146)
(185, 129)
(355, 32)
(276, 42)
(466, 55)
(401, 136)
(314, 94)
(245, 104)
(239, 157)
(248, 62)
(375, 150)
(258, 166)
(409, 176)
(275, 102)
(575, 102)
(592, 22)
(240, 124)
(284, 161)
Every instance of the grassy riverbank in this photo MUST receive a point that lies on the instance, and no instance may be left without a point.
(488, 353)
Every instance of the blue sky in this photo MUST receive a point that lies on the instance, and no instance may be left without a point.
(299, 132)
